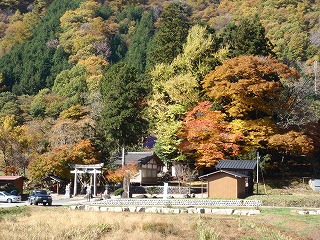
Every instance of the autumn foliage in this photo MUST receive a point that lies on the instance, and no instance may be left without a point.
(248, 84)
(247, 91)
(207, 136)
(57, 161)
(129, 170)
(291, 143)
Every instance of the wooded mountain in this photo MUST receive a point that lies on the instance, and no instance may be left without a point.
(80, 79)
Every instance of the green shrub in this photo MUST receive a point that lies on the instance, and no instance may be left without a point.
(152, 190)
(118, 191)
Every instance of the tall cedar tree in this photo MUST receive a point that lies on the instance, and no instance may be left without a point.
(121, 117)
(171, 35)
(247, 37)
(136, 55)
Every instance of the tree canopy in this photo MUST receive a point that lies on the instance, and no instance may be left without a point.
(208, 79)
(123, 96)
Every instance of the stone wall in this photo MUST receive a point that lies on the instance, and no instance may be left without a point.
(179, 202)
(194, 210)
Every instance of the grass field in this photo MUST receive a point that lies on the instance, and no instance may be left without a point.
(38, 222)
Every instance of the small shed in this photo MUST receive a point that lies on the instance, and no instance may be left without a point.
(16, 181)
(244, 167)
(225, 184)
(149, 165)
(53, 181)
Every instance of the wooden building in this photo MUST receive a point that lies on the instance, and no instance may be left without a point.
(53, 182)
(16, 181)
(149, 165)
(225, 184)
(244, 167)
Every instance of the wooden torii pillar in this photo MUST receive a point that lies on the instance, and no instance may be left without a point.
(80, 169)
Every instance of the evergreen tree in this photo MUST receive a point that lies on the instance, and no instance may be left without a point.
(118, 48)
(123, 94)
(246, 38)
(171, 35)
(136, 55)
(71, 84)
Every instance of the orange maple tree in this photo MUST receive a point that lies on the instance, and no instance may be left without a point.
(207, 136)
(57, 161)
(248, 85)
(292, 142)
(129, 170)
(248, 90)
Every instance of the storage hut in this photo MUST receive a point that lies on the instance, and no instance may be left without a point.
(244, 167)
(225, 184)
(16, 181)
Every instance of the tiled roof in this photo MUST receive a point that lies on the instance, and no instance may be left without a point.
(137, 157)
(237, 164)
(235, 174)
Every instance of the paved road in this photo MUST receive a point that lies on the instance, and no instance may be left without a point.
(17, 204)
(57, 201)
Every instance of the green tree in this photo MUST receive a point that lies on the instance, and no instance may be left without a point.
(9, 106)
(35, 56)
(123, 94)
(72, 85)
(136, 55)
(170, 36)
(247, 37)
(176, 88)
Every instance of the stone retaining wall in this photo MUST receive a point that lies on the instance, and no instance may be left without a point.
(170, 189)
(309, 212)
(247, 212)
(179, 202)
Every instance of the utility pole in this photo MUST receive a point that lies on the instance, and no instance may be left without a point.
(123, 162)
(258, 157)
(315, 68)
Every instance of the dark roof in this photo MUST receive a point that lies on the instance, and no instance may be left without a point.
(150, 142)
(235, 174)
(52, 177)
(138, 158)
(237, 164)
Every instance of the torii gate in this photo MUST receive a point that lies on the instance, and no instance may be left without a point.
(92, 169)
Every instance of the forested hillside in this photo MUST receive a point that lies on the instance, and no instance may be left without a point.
(210, 80)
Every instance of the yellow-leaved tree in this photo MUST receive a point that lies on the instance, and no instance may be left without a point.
(16, 145)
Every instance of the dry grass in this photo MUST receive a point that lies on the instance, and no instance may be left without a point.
(60, 223)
